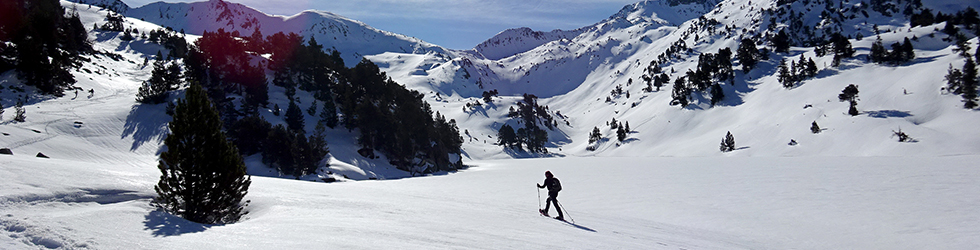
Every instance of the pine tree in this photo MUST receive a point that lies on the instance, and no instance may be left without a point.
(811, 68)
(954, 80)
(1, 109)
(312, 109)
(328, 114)
(878, 52)
(747, 54)
(294, 117)
(784, 76)
(728, 144)
(154, 90)
(814, 128)
(850, 94)
(717, 94)
(595, 136)
(203, 177)
(174, 76)
(781, 42)
(621, 134)
(506, 136)
(969, 84)
(908, 52)
(680, 93)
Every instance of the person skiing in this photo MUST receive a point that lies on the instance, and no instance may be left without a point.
(554, 186)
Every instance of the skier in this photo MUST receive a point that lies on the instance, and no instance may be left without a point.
(553, 187)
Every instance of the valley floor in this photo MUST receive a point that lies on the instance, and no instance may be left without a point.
(617, 203)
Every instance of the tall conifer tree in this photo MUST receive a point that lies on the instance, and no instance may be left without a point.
(203, 176)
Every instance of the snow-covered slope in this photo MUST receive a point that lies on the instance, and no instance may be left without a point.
(617, 203)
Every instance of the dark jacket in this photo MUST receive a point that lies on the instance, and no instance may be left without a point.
(553, 185)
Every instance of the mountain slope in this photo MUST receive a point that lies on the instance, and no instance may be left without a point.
(575, 76)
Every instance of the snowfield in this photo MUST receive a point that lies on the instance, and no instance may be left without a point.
(617, 203)
(852, 186)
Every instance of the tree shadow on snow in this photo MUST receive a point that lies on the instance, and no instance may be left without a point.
(888, 114)
(164, 224)
(144, 123)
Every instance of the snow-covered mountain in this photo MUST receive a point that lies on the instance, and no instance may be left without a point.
(575, 75)
(352, 38)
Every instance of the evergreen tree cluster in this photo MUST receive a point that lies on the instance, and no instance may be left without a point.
(221, 63)
(749, 55)
(652, 79)
(289, 151)
(532, 136)
(46, 43)
(488, 95)
(968, 18)
(114, 22)
(396, 121)
(388, 117)
(901, 52)
(796, 72)
(170, 40)
(711, 71)
(163, 79)
(964, 82)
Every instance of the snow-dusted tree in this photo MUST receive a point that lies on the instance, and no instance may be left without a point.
(728, 144)
(814, 127)
(203, 176)
(850, 94)
(1, 109)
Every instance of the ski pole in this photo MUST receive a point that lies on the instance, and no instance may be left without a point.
(566, 211)
(539, 198)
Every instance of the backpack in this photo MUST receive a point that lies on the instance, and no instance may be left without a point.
(555, 185)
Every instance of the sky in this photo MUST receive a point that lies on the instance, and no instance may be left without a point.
(455, 24)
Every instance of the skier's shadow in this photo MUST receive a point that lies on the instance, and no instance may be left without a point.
(580, 227)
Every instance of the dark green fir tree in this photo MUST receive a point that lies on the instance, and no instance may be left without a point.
(203, 177)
